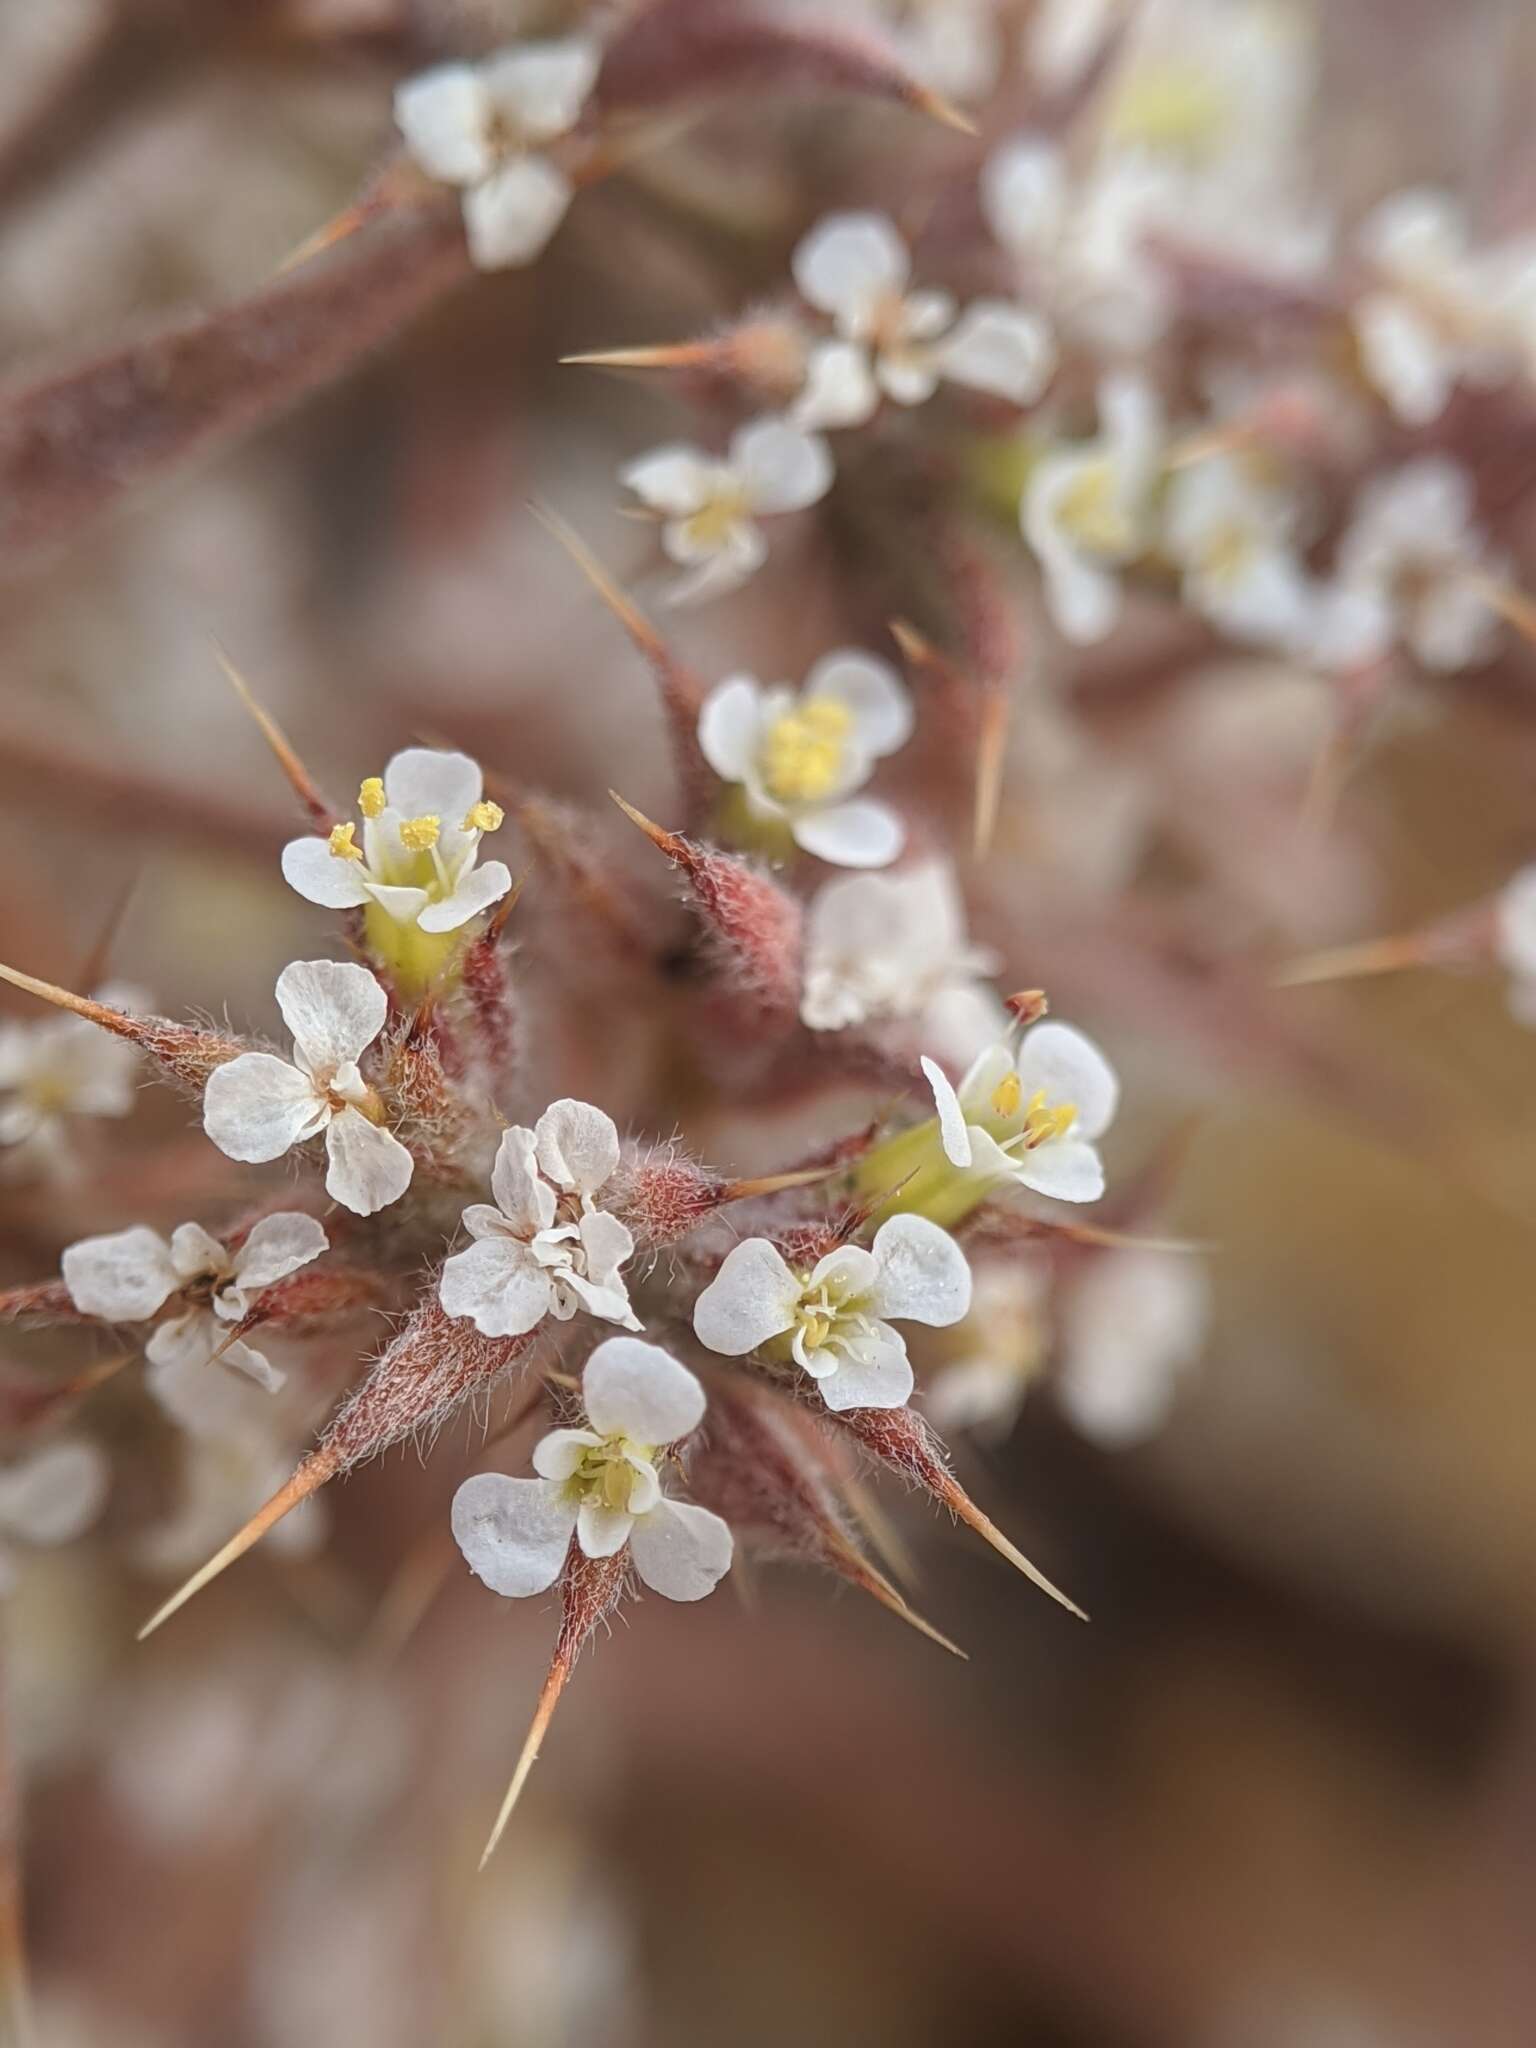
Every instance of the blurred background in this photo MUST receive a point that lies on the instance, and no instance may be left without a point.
(1282, 1792)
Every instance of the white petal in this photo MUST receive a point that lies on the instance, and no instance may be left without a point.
(196, 1254)
(334, 1009)
(257, 1107)
(753, 1297)
(877, 699)
(782, 468)
(1404, 358)
(477, 890)
(602, 1531)
(404, 905)
(200, 1398)
(923, 1275)
(542, 87)
(849, 260)
(1023, 194)
(247, 1361)
(498, 1284)
(442, 115)
(1066, 1169)
(680, 1551)
(722, 567)
(322, 877)
(954, 1132)
(644, 1484)
(578, 1146)
(54, 1495)
(1130, 1327)
(124, 1277)
(907, 376)
(839, 388)
(848, 1270)
(514, 1533)
(861, 834)
(608, 1299)
(873, 1373)
(640, 1391)
(730, 723)
(607, 1244)
(557, 1455)
(1070, 1068)
(511, 217)
(1000, 348)
(1417, 232)
(677, 479)
(277, 1246)
(428, 782)
(523, 1197)
(369, 1167)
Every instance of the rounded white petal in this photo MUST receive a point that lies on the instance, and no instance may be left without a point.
(782, 468)
(277, 1246)
(257, 1107)
(1070, 1068)
(1419, 232)
(557, 1455)
(55, 1494)
(334, 1009)
(322, 877)
(849, 260)
(878, 701)
(1024, 194)
(511, 217)
(1405, 358)
(644, 1484)
(861, 834)
(431, 782)
(676, 479)
(200, 1398)
(602, 1531)
(442, 115)
(722, 566)
(923, 1276)
(874, 1372)
(908, 376)
(608, 1298)
(1066, 1169)
(542, 87)
(680, 1551)
(514, 1533)
(196, 1254)
(1130, 1327)
(577, 1145)
(123, 1277)
(839, 388)
(523, 1196)
(753, 1297)
(369, 1167)
(498, 1285)
(730, 723)
(404, 905)
(640, 1391)
(607, 1243)
(477, 890)
(1000, 348)
(954, 1132)
(246, 1360)
(848, 1270)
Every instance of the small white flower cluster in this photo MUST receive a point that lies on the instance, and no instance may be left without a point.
(1031, 1116)
(55, 1070)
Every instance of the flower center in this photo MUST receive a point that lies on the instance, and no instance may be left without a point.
(605, 1477)
(1039, 1119)
(1174, 109)
(1092, 512)
(802, 752)
(712, 526)
(1228, 553)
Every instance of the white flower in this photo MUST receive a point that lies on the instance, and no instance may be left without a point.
(130, 1276)
(1032, 1116)
(711, 508)
(1087, 510)
(800, 757)
(1232, 538)
(895, 946)
(59, 1067)
(1130, 1328)
(1515, 941)
(1442, 314)
(477, 125)
(1002, 1347)
(954, 47)
(855, 267)
(1062, 37)
(258, 1107)
(422, 825)
(835, 1316)
(600, 1485)
(232, 1460)
(1414, 553)
(545, 1249)
(49, 1497)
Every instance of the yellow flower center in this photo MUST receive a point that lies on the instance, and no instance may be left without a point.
(1044, 1121)
(713, 524)
(417, 835)
(1228, 553)
(370, 797)
(802, 752)
(1175, 109)
(816, 1326)
(484, 817)
(1092, 512)
(605, 1475)
(1008, 1094)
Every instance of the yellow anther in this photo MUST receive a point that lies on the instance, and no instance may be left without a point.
(418, 834)
(1042, 1122)
(1175, 108)
(370, 798)
(802, 753)
(340, 842)
(816, 1329)
(1091, 511)
(485, 817)
(1007, 1095)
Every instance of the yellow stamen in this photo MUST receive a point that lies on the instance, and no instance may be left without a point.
(418, 834)
(1171, 107)
(816, 1328)
(340, 842)
(1007, 1095)
(1042, 1122)
(485, 817)
(802, 756)
(370, 798)
(1090, 510)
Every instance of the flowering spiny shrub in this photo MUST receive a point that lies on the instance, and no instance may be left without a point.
(1013, 393)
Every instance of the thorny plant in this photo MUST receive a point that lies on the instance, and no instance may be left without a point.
(718, 1354)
